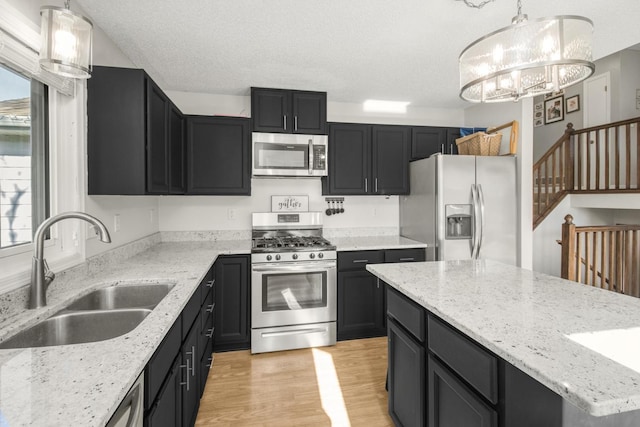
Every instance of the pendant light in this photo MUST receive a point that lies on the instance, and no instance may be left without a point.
(527, 58)
(66, 42)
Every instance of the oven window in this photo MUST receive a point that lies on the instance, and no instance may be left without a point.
(281, 156)
(294, 291)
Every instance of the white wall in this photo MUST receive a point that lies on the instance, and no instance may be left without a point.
(494, 115)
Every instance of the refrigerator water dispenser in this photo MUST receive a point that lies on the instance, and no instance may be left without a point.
(459, 225)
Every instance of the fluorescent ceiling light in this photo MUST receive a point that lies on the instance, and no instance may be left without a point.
(377, 106)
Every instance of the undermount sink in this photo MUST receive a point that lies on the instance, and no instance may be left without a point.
(123, 296)
(100, 315)
(78, 327)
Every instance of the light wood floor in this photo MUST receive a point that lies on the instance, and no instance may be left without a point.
(342, 385)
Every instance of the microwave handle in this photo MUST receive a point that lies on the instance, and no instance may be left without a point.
(310, 156)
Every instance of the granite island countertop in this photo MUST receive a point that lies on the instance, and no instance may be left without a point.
(579, 341)
(83, 384)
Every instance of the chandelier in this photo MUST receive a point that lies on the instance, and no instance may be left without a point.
(66, 42)
(527, 58)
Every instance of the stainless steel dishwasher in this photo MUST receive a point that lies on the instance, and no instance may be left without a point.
(130, 412)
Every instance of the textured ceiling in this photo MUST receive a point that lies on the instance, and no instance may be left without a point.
(403, 50)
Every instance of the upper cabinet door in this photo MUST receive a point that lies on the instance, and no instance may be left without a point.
(157, 140)
(390, 161)
(427, 140)
(309, 112)
(177, 184)
(218, 155)
(270, 110)
(349, 159)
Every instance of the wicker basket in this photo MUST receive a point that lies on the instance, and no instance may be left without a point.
(480, 144)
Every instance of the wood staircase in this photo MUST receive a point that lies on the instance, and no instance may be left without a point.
(597, 160)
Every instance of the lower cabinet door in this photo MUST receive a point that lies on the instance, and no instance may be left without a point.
(360, 305)
(167, 409)
(453, 404)
(407, 362)
(191, 377)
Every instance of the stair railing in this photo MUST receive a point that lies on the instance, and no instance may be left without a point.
(606, 257)
(600, 159)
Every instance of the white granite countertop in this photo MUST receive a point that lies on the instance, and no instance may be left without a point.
(361, 243)
(83, 384)
(581, 342)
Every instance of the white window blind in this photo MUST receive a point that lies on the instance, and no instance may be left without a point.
(19, 49)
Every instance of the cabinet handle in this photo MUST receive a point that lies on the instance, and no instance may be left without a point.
(209, 333)
(295, 122)
(407, 259)
(378, 283)
(360, 261)
(376, 185)
(210, 306)
(210, 283)
(284, 121)
(193, 361)
(450, 148)
(366, 187)
(210, 360)
(442, 148)
(187, 382)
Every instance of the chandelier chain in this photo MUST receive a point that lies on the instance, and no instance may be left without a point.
(477, 6)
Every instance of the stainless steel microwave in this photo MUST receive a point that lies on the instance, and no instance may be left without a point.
(285, 154)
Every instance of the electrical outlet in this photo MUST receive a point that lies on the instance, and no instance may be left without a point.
(231, 213)
(374, 211)
(116, 223)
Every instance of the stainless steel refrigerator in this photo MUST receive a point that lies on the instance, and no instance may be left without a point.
(464, 207)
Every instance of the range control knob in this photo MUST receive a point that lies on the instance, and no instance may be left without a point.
(294, 256)
(269, 257)
(320, 255)
(312, 255)
(278, 257)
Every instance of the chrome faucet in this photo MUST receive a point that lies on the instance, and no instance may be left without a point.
(41, 275)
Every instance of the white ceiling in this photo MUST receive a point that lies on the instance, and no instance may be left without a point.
(404, 50)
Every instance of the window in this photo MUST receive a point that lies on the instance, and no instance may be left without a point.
(24, 170)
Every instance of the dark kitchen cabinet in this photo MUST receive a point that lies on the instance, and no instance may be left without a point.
(367, 159)
(428, 140)
(452, 403)
(232, 296)
(406, 377)
(129, 132)
(288, 111)
(177, 151)
(218, 155)
(361, 296)
(177, 372)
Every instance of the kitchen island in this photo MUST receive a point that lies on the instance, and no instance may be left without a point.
(579, 342)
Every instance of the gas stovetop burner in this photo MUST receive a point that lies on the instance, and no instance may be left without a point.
(290, 243)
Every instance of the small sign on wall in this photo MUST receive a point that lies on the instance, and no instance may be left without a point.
(289, 203)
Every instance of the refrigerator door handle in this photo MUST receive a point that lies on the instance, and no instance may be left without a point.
(474, 237)
(481, 209)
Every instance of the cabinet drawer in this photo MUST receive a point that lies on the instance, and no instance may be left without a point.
(404, 255)
(357, 260)
(160, 364)
(406, 312)
(473, 363)
(452, 403)
(190, 312)
(206, 286)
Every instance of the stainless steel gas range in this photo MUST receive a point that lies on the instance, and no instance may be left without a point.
(293, 282)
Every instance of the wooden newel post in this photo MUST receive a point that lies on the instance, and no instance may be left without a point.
(568, 266)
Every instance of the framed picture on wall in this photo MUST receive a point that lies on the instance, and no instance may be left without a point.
(573, 104)
(538, 114)
(554, 110)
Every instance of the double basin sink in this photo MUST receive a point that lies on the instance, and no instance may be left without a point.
(100, 315)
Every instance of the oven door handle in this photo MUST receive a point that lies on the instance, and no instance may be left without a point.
(295, 266)
(293, 332)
